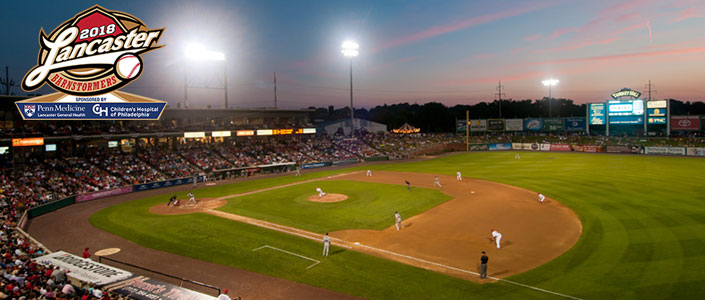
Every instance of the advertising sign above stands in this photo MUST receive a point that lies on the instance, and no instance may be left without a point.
(655, 115)
(533, 124)
(574, 124)
(478, 125)
(84, 269)
(596, 114)
(685, 123)
(625, 92)
(28, 142)
(554, 124)
(495, 125)
(514, 124)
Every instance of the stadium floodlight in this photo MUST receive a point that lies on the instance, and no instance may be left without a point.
(549, 83)
(198, 52)
(350, 49)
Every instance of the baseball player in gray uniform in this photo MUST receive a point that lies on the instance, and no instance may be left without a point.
(458, 176)
(397, 216)
(326, 244)
(437, 183)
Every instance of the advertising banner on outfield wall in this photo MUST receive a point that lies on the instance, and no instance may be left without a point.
(587, 148)
(622, 149)
(523, 146)
(685, 123)
(460, 126)
(144, 288)
(84, 269)
(691, 151)
(545, 147)
(479, 147)
(478, 125)
(575, 124)
(166, 183)
(665, 150)
(560, 147)
(495, 124)
(496, 147)
(103, 194)
(514, 124)
(316, 165)
(533, 124)
(554, 124)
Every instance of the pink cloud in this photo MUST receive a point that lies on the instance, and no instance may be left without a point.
(688, 13)
(563, 31)
(623, 56)
(579, 45)
(625, 6)
(532, 37)
(461, 25)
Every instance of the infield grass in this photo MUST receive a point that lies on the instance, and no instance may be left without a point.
(643, 231)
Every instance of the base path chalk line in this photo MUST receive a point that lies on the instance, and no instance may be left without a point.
(465, 271)
(284, 185)
(292, 253)
(344, 243)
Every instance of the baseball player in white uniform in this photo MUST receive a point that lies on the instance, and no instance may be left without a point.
(369, 173)
(191, 198)
(320, 192)
(496, 236)
(458, 176)
(397, 216)
(437, 183)
(298, 172)
(326, 244)
(541, 198)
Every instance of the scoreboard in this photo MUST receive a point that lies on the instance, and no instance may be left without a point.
(626, 111)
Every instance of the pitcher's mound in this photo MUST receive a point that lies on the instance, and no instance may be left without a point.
(328, 198)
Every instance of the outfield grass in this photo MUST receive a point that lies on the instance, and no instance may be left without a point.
(369, 205)
(643, 231)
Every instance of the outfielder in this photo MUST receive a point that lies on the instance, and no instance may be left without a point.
(369, 173)
(191, 198)
(320, 192)
(397, 216)
(408, 185)
(516, 156)
(496, 236)
(326, 244)
(458, 176)
(541, 198)
(437, 183)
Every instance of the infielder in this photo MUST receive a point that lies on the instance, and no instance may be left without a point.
(298, 172)
(437, 183)
(191, 198)
(326, 244)
(541, 198)
(397, 216)
(171, 200)
(320, 192)
(496, 236)
(458, 176)
(369, 173)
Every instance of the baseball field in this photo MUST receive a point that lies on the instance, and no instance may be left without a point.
(638, 230)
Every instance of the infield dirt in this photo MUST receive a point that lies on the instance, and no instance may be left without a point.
(453, 233)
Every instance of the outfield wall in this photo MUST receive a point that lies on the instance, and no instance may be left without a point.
(670, 151)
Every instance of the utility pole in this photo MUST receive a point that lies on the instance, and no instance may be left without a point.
(7, 82)
(649, 88)
(499, 95)
(275, 89)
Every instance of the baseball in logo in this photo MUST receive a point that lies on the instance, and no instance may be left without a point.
(87, 59)
(93, 53)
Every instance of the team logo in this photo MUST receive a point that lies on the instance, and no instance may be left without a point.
(95, 52)
(29, 110)
(533, 124)
(87, 59)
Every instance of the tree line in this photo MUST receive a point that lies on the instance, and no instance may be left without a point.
(436, 117)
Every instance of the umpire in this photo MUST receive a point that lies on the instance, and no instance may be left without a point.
(483, 265)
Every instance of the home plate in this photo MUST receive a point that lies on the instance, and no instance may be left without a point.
(472, 192)
(356, 243)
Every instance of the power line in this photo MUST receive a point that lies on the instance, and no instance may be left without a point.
(649, 88)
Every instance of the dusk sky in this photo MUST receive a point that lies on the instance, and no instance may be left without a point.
(452, 52)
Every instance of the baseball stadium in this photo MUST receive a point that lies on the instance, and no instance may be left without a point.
(218, 198)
